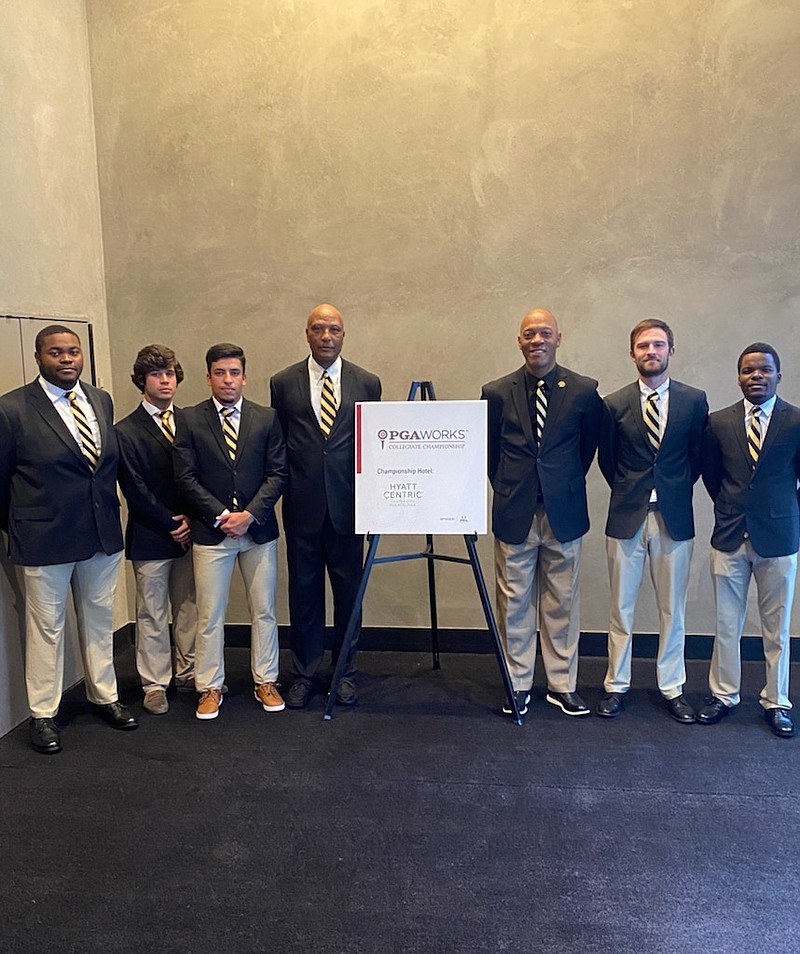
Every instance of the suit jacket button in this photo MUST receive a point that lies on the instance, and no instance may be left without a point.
(745, 535)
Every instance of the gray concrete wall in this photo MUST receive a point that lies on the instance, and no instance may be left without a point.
(437, 168)
(51, 260)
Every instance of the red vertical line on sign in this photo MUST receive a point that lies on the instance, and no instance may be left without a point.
(358, 438)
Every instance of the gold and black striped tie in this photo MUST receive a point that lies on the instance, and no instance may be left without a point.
(87, 442)
(327, 404)
(541, 411)
(166, 425)
(228, 430)
(652, 420)
(754, 435)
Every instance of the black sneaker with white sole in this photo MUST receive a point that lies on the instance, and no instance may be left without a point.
(522, 698)
(570, 703)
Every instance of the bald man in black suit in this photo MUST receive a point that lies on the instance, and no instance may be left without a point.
(544, 422)
(315, 400)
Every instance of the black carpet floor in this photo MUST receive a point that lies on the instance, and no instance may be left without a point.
(423, 821)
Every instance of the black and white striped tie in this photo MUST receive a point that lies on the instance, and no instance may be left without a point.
(541, 410)
(87, 442)
(754, 435)
(327, 404)
(229, 431)
(652, 420)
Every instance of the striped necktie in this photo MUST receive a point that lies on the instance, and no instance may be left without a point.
(228, 430)
(754, 435)
(327, 404)
(541, 410)
(652, 420)
(166, 425)
(87, 442)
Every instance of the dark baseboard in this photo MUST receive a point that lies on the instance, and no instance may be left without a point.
(405, 639)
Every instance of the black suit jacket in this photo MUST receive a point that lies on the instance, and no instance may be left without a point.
(321, 470)
(53, 507)
(632, 468)
(148, 482)
(209, 480)
(519, 471)
(760, 504)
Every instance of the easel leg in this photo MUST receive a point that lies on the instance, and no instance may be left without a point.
(352, 623)
(492, 624)
(432, 603)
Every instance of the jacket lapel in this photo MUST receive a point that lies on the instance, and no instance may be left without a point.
(519, 395)
(215, 426)
(773, 431)
(737, 414)
(151, 427)
(44, 407)
(635, 404)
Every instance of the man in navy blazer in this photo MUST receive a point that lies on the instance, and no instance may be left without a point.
(59, 506)
(315, 401)
(751, 469)
(544, 422)
(650, 456)
(157, 534)
(230, 463)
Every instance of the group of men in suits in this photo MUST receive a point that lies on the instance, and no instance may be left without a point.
(202, 483)
(201, 486)
(655, 440)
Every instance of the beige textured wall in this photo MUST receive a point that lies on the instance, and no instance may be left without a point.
(436, 168)
(51, 259)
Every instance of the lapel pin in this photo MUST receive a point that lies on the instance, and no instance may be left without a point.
(562, 384)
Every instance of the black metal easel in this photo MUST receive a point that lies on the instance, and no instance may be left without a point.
(426, 392)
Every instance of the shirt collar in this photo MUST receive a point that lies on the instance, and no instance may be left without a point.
(334, 371)
(237, 406)
(549, 379)
(154, 411)
(766, 408)
(55, 393)
(661, 390)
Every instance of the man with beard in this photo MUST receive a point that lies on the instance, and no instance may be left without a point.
(650, 456)
(751, 469)
(59, 506)
(543, 426)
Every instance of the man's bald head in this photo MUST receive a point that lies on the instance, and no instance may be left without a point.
(325, 334)
(538, 340)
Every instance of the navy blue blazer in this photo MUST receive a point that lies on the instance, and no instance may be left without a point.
(321, 470)
(209, 480)
(53, 507)
(148, 483)
(632, 468)
(519, 471)
(758, 504)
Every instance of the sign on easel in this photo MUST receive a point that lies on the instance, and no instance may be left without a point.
(421, 467)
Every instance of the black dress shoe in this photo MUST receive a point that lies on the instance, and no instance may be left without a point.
(116, 715)
(346, 693)
(780, 722)
(570, 703)
(45, 736)
(712, 711)
(610, 705)
(680, 710)
(300, 693)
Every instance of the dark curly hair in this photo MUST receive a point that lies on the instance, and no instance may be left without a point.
(154, 357)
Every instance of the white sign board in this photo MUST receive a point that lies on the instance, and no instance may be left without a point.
(421, 467)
